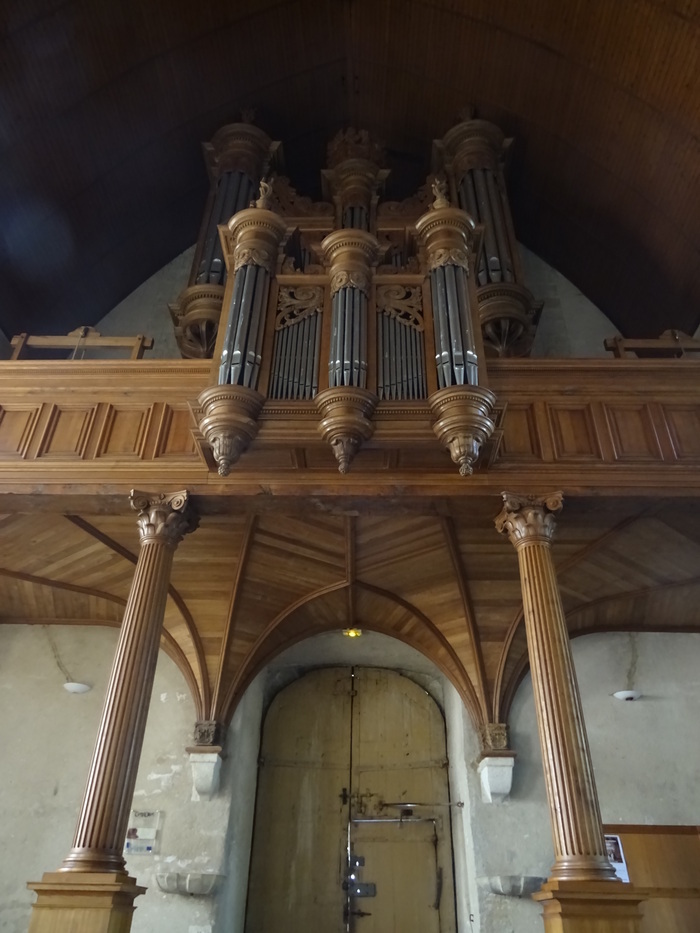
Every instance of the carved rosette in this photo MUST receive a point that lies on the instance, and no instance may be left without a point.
(164, 518)
(346, 421)
(529, 519)
(196, 315)
(463, 422)
(448, 236)
(239, 147)
(253, 238)
(350, 256)
(508, 314)
(229, 421)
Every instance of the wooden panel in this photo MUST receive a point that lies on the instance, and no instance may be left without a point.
(175, 434)
(67, 431)
(683, 422)
(520, 436)
(124, 432)
(666, 861)
(573, 432)
(633, 432)
(17, 422)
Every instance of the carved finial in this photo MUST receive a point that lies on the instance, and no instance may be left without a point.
(439, 187)
(466, 113)
(248, 115)
(354, 144)
(264, 195)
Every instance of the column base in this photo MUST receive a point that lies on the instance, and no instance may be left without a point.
(83, 902)
(590, 907)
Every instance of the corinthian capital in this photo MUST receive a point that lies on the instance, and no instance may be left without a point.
(163, 517)
(529, 519)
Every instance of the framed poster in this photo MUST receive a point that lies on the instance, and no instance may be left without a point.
(142, 834)
(613, 847)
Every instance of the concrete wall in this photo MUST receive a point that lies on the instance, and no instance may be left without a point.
(47, 736)
(646, 757)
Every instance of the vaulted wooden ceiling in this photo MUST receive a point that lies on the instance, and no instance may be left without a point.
(438, 577)
(103, 107)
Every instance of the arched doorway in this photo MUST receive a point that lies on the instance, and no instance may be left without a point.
(352, 823)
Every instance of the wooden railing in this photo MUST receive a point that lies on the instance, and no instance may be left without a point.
(80, 339)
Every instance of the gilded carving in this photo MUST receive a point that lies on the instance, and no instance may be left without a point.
(449, 257)
(296, 302)
(254, 238)
(353, 144)
(529, 519)
(350, 255)
(165, 518)
(402, 302)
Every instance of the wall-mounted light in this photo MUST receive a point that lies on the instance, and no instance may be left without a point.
(627, 695)
(73, 687)
(352, 632)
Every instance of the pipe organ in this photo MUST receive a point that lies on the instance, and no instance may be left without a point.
(355, 301)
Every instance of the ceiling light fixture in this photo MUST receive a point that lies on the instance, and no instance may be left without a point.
(352, 632)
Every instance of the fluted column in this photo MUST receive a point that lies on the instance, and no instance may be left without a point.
(104, 812)
(579, 846)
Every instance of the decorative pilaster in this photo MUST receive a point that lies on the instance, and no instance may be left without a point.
(461, 408)
(237, 157)
(472, 153)
(92, 892)
(579, 846)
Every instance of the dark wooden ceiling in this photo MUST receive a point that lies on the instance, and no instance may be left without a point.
(103, 106)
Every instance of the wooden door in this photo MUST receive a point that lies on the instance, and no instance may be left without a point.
(352, 827)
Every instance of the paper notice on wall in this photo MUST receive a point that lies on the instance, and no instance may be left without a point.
(613, 846)
(142, 835)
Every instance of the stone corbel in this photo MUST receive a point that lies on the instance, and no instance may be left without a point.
(205, 757)
(496, 773)
(205, 761)
(496, 764)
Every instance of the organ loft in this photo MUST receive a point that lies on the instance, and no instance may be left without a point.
(357, 439)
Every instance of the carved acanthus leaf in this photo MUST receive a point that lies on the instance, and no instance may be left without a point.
(402, 302)
(296, 302)
(448, 257)
(167, 518)
(346, 279)
(529, 519)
